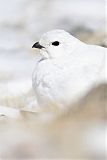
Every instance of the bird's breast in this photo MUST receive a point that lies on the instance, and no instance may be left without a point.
(49, 74)
(49, 79)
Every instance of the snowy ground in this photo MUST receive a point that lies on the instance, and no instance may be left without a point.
(21, 23)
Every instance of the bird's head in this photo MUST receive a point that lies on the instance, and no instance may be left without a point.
(56, 43)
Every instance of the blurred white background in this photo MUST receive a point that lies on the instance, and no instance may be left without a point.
(22, 22)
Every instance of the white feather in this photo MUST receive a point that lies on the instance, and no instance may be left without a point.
(68, 71)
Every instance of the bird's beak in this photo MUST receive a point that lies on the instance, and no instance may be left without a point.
(37, 45)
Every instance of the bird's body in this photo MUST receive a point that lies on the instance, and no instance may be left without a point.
(68, 73)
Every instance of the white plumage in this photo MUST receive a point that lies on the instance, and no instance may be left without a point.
(67, 69)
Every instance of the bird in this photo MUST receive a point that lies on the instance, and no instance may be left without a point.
(67, 68)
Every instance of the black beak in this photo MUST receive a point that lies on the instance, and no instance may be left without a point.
(37, 45)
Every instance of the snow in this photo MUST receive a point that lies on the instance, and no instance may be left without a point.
(10, 112)
(21, 24)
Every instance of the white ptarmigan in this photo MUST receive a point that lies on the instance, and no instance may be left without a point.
(67, 69)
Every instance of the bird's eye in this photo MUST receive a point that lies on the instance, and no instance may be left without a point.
(56, 43)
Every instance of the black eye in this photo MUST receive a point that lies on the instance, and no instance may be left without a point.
(56, 43)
